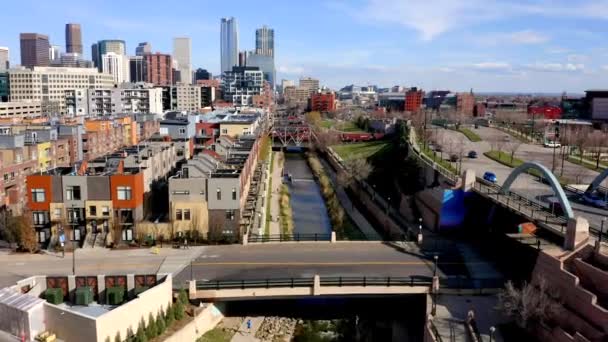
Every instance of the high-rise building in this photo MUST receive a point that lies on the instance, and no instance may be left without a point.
(117, 66)
(136, 69)
(266, 64)
(104, 46)
(4, 59)
(73, 38)
(243, 58)
(264, 41)
(143, 49)
(182, 51)
(158, 69)
(34, 49)
(229, 44)
(311, 84)
(54, 53)
(202, 74)
(48, 84)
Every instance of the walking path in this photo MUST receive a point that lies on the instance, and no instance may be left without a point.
(244, 334)
(275, 228)
(362, 223)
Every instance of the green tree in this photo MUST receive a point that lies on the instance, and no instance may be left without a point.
(151, 328)
(140, 336)
(170, 315)
(160, 323)
(183, 297)
(179, 310)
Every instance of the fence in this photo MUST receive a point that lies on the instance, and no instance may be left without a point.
(288, 237)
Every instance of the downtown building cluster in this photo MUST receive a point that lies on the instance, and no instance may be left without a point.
(97, 152)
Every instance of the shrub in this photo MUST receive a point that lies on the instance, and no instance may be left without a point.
(170, 315)
(151, 328)
(117, 337)
(183, 297)
(140, 336)
(179, 311)
(160, 323)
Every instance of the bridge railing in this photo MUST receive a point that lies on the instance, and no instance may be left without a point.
(253, 238)
(254, 284)
(415, 149)
(376, 281)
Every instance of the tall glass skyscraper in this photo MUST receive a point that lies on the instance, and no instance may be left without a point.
(264, 41)
(229, 44)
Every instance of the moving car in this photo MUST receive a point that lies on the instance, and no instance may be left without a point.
(472, 154)
(552, 144)
(490, 177)
(594, 200)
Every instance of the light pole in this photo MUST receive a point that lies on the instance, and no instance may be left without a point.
(434, 307)
(388, 204)
(492, 330)
(602, 229)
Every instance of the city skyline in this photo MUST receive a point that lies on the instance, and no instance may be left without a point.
(495, 46)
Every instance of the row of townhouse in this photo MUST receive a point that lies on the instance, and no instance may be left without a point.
(87, 202)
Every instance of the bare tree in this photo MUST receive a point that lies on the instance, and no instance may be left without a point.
(532, 304)
(597, 142)
(512, 147)
(359, 169)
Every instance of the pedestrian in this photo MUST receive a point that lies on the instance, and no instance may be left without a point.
(249, 325)
(185, 243)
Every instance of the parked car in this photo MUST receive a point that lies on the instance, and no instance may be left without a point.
(472, 154)
(454, 158)
(490, 177)
(552, 144)
(594, 200)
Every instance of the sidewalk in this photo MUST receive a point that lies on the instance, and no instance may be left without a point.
(277, 181)
(360, 221)
(246, 335)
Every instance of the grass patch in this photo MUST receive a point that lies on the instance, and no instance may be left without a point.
(588, 164)
(359, 150)
(523, 138)
(216, 335)
(437, 158)
(326, 123)
(285, 210)
(340, 223)
(472, 136)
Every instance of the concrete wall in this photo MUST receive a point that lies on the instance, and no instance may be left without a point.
(204, 321)
(130, 314)
(592, 277)
(68, 325)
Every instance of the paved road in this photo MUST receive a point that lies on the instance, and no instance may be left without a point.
(525, 184)
(373, 259)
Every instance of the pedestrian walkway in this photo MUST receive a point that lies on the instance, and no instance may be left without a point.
(246, 333)
(360, 221)
(277, 180)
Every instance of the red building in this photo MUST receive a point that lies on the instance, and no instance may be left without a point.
(547, 111)
(158, 69)
(413, 99)
(323, 102)
(465, 102)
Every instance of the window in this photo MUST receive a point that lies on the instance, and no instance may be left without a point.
(219, 194)
(72, 193)
(181, 192)
(224, 131)
(230, 215)
(57, 213)
(182, 131)
(39, 217)
(186, 214)
(105, 211)
(124, 193)
(93, 210)
(178, 215)
(234, 194)
(38, 195)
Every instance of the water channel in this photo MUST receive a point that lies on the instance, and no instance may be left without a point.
(309, 210)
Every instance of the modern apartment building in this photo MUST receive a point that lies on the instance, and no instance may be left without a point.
(323, 102)
(311, 84)
(34, 49)
(112, 101)
(202, 74)
(241, 84)
(209, 194)
(4, 59)
(73, 38)
(264, 41)
(48, 85)
(117, 66)
(158, 69)
(4, 87)
(266, 64)
(192, 98)
(229, 44)
(182, 53)
(17, 161)
(296, 95)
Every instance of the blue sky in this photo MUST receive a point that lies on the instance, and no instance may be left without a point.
(487, 45)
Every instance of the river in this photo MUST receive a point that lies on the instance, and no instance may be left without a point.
(309, 210)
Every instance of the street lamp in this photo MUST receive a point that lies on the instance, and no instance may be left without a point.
(555, 139)
(436, 258)
(435, 285)
(602, 229)
(492, 330)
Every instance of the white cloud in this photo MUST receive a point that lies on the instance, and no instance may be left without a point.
(556, 67)
(527, 37)
(491, 66)
(292, 70)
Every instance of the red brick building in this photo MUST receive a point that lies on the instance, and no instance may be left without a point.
(547, 111)
(465, 102)
(323, 102)
(158, 69)
(413, 99)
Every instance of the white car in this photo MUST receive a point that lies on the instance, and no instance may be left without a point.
(552, 144)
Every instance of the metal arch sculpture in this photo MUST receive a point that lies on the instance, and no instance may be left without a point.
(557, 188)
(597, 182)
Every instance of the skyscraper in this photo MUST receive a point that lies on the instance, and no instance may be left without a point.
(266, 64)
(136, 68)
(264, 41)
(73, 38)
(104, 46)
(229, 44)
(182, 49)
(143, 49)
(202, 74)
(4, 64)
(34, 49)
(117, 66)
(54, 53)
